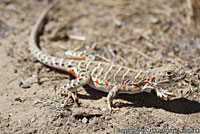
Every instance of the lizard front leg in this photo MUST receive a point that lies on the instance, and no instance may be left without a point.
(71, 87)
(111, 95)
(163, 93)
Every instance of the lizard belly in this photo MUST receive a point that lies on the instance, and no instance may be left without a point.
(104, 88)
(100, 87)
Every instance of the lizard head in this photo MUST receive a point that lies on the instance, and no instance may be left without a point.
(168, 75)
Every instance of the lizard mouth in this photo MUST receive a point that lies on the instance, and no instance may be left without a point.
(172, 81)
(179, 78)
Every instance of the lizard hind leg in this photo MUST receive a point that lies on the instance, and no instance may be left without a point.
(80, 55)
(71, 87)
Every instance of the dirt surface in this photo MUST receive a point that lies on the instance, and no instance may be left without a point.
(136, 33)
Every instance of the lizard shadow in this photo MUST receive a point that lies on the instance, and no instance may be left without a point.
(179, 105)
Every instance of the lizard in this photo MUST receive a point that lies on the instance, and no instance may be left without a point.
(103, 76)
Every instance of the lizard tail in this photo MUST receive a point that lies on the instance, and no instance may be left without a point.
(44, 58)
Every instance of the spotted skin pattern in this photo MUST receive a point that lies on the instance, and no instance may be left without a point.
(103, 76)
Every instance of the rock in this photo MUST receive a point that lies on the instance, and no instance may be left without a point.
(85, 120)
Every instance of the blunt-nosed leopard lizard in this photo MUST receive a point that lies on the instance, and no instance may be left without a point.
(103, 76)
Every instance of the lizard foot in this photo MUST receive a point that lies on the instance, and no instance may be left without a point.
(113, 108)
(70, 94)
(161, 93)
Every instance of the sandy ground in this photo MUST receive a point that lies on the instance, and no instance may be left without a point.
(135, 33)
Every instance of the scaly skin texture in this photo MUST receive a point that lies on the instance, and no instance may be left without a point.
(103, 76)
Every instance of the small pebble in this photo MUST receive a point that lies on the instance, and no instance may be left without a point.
(107, 118)
(154, 20)
(85, 120)
(104, 109)
(15, 71)
(18, 99)
(166, 27)
(11, 7)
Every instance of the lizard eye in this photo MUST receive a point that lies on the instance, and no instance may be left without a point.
(169, 73)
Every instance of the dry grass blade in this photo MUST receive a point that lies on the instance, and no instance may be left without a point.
(77, 37)
(190, 12)
(111, 3)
